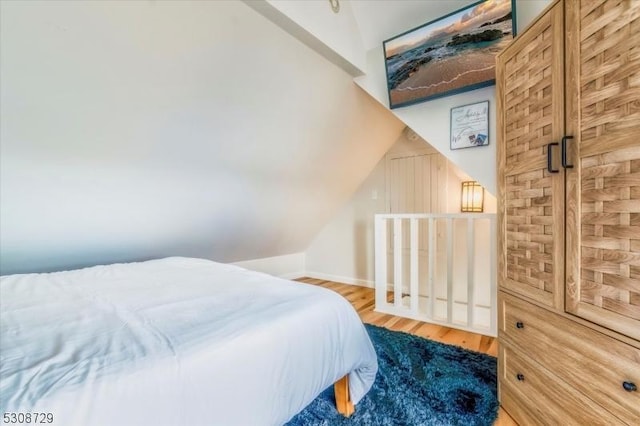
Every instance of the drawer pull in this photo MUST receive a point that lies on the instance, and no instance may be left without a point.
(520, 377)
(519, 324)
(629, 386)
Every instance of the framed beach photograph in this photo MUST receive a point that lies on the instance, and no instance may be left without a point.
(470, 125)
(452, 54)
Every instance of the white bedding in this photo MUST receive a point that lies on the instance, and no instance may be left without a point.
(175, 341)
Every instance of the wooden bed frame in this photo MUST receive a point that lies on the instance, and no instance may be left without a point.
(343, 401)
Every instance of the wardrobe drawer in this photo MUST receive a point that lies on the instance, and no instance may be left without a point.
(590, 362)
(532, 395)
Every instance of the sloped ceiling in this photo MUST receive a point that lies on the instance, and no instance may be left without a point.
(134, 130)
(379, 20)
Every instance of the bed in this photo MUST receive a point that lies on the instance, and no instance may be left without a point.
(175, 341)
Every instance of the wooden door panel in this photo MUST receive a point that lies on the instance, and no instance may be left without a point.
(603, 188)
(530, 116)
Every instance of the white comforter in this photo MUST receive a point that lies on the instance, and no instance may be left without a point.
(176, 341)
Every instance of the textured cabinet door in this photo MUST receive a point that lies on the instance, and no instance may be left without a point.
(603, 187)
(530, 116)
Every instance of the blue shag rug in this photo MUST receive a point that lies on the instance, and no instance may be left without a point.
(419, 382)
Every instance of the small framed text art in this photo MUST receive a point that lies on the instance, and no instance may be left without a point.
(470, 125)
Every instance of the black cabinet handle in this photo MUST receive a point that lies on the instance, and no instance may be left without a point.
(519, 324)
(564, 152)
(629, 386)
(520, 377)
(550, 158)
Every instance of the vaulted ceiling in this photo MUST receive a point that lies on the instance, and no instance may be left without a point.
(133, 130)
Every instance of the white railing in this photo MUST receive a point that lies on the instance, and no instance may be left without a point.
(441, 269)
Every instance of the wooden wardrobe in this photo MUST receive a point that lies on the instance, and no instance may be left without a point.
(568, 116)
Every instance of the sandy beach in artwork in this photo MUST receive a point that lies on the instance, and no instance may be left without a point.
(449, 74)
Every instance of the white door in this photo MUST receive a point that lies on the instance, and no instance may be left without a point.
(416, 184)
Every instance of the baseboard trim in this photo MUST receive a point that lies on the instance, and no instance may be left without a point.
(340, 279)
(288, 266)
(292, 266)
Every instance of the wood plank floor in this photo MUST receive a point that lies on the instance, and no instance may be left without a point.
(363, 300)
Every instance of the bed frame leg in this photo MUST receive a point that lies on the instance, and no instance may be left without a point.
(343, 401)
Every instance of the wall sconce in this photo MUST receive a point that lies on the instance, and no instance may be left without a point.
(472, 200)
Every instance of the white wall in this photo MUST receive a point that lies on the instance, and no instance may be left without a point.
(528, 10)
(133, 130)
(431, 119)
(289, 266)
(379, 20)
(343, 250)
(333, 35)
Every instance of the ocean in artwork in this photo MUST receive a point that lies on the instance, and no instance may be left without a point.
(446, 58)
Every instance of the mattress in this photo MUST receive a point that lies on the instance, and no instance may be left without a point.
(175, 341)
